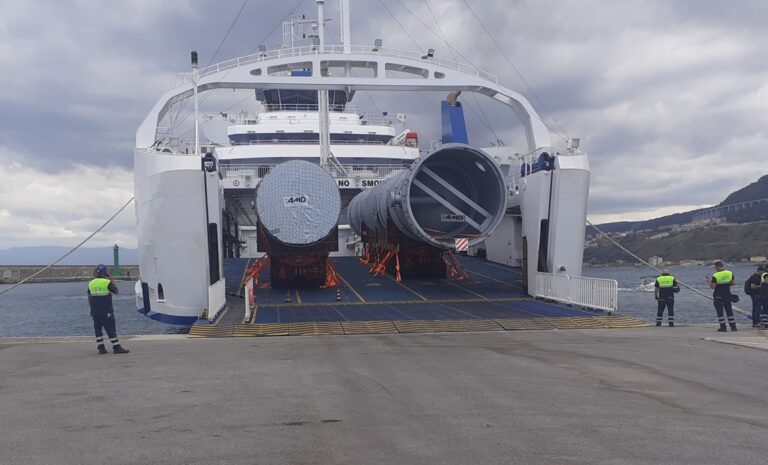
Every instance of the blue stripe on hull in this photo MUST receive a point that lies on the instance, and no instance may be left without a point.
(169, 319)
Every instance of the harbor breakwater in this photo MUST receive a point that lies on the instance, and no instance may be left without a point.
(12, 274)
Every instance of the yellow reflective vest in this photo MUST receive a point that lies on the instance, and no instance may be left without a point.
(723, 277)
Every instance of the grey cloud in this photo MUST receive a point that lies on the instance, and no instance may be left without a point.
(663, 94)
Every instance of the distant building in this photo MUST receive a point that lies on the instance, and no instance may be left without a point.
(757, 259)
(656, 261)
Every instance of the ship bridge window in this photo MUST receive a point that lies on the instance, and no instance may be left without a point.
(256, 72)
(398, 71)
(336, 68)
(288, 68)
(439, 75)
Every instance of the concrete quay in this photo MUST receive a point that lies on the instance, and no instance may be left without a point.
(684, 395)
(12, 274)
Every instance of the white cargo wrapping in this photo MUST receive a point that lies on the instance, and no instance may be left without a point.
(298, 203)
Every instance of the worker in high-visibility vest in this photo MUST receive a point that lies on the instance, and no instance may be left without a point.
(100, 291)
(721, 282)
(763, 300)
(752, 289)
(665, 289)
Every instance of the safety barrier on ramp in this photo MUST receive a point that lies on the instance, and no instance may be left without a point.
(598, 293)
(412, 326)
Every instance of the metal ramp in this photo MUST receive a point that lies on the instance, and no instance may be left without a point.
(491, 299)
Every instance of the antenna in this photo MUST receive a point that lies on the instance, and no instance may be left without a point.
(195, 76)
(322, 95)
(321, 22)
(346, 36)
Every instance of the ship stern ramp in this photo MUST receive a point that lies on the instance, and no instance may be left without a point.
(180, 278)
(490, 298)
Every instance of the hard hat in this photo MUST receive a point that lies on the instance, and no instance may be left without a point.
(101, 270)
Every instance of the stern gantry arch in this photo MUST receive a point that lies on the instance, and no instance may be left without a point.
(384, 69)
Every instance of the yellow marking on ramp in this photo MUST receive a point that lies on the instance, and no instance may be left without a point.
(211, 331)
(351, 288)
(262, 329)
(494, 279)
(445, 326)
(519, 324)
(242, 278)
(253, 314)
(465, 289)
(315, 328)
(221, 314)
(298, 297)
(393, 302)
(368, 327)
(406, 287)
(621, 322)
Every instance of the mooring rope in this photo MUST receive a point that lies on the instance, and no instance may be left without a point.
(71, 250)
(633, 255)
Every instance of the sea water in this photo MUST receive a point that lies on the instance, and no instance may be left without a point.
(61, 309)
(690, 308)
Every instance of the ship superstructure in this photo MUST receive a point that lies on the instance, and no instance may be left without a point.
(196, 202)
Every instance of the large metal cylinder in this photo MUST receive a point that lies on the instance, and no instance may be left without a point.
(457, 191)
(298, 203)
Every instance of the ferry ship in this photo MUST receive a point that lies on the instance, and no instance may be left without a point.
(196, 200)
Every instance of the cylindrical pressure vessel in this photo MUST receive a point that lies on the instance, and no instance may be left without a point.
(456, 191)
(298, 204)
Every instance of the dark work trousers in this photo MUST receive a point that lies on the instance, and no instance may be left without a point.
(106, 321)
(756, 307)
(763, 305)
(669, 303)
(724, 303)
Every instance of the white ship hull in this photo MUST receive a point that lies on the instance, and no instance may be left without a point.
(189, 219)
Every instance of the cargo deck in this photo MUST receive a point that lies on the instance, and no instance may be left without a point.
(491, 299)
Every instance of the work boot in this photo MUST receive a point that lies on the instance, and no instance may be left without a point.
(722, 329)
(118, 349)
(658, 323)
(102, 349)
(671, 324)
(733, 327)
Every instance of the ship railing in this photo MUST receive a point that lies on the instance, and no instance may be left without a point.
(252, 119)
(314, 142)
(272, 107)
(249, 304)
(339, 49)
(596, 293)
(217, 299)
(251, 173)
(522, 165)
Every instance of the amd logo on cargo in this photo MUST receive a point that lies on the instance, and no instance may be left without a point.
(452, 218)
(296, 201)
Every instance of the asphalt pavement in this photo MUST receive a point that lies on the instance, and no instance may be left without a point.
(620, 396)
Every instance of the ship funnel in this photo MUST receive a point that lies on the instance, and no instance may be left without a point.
(456, 191)
(298, 204)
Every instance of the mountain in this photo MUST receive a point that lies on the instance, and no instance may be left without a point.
(755, 191)
(731, 243)
(46, 254)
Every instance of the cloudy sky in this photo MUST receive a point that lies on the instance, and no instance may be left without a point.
(669, 98)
